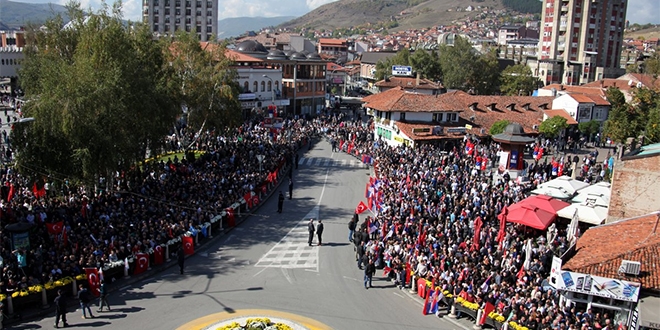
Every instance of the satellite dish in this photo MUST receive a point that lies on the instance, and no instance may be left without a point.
(639, 84)
(630, 82)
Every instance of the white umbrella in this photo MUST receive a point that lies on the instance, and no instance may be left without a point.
(571, 232)
(528, 254)
(551, 234)
(604, 188)
(592, 198)
(571, 186)
(587, 213)
(554, 192)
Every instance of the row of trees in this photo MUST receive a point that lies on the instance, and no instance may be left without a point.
(104, 93)
(639, 116)
(459, 66)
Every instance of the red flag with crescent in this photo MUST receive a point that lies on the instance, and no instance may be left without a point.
(55, 228)
(231, 220)
(188, 245)
(141, 263)
(93, 280)
(255, 200)
(361, 208)
(158, 255)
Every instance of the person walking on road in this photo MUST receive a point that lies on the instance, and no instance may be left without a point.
(351, 228)
(280, 202)
(310, 228)
(319, 232)
(104, 297)
(290, 188)
(85, 298)
(181, 257)
(369, 272)
(60, 309)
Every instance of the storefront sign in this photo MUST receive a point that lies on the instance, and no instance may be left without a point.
(596, 286)
(384, 133)
(401, 140)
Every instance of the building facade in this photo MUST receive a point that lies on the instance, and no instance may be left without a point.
(167, 16)
(11, 53)
(582, 39)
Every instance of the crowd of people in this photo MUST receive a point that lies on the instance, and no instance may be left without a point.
(425, 205)
(136, 209)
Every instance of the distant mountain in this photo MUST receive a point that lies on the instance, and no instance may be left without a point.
(401, 14)
(235, 26)
(17, 14)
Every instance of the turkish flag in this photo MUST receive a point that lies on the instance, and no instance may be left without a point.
(421, 287)
(94, 281)
(255, 200)
(55, 228)
(248, 199)
(188, 245)
(231, 220)
(408, 274)
(487, 309)
(361, 208)
(158, 255)
(264, 189)
(141, 263)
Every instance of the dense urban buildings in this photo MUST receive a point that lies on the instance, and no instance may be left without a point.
(580, 40)
(167, 16)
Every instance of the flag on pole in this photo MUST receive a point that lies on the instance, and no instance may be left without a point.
(487, 309)
(361, 208)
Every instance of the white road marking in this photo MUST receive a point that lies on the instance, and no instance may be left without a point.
(124, 288)
(399, 295)
(288, 278)
(350, 278)
(261, 271)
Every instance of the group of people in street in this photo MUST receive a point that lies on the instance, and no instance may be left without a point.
(318, 230)
(425, 205)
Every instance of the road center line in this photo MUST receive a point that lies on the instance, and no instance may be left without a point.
(324, 183)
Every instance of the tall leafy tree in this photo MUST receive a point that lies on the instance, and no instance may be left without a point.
(485, 79)
(427, 64)
(518, 80)
(458, 63)
(553, 126)
(97, 90)
(384, 68)
(652, 131)
(205, 82)
(498, 127)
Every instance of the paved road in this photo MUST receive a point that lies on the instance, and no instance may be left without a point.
(266, 264)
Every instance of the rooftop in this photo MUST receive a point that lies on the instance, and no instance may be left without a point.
(601, 249)
(408, 83)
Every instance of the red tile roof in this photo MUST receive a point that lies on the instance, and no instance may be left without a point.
(408, 83)
(240, 57)
(328, 41)
(582, 98)
(562, 113)
(609, 82)
(584, 89)
(480, 111)
(601, 249)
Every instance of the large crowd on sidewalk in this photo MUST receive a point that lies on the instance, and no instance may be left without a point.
(428, 203)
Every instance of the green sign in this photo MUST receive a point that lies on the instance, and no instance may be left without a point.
(386, 134)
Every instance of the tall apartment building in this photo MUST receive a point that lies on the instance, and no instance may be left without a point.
(167, 16)
(580, 40)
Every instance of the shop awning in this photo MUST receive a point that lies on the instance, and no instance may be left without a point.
(649, 316)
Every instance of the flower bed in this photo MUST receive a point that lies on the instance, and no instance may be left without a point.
(256, 323)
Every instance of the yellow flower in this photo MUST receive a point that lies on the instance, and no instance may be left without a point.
(15, 294)
(2, 297)
(35, 288)
(81, 277)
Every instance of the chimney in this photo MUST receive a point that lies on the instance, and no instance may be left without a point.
(418, 78)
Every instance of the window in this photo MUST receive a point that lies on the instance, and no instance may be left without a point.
(246, 87)
(188, 11)
(177, 21)
(177, 3)
(167, 11)
(188, 20)
(256, 87)
(178, 12)
(198, 4)
(155, 27)
(263, 86)
(270, 86)
(198, 29)
(167, 3)
(277, 85)
(209, 4)
(167, 19)
(198, 13)
(209, 13)
(187, 4)
(437, 117)
(187, 28)
(209, 29)
(167, 28)
(402, 116)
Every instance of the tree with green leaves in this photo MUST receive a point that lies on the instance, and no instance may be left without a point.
(458, 63)
(427, 64)
(498, 127)
(652, 131)
(485, 79)
(98, 90)
(589, 128)
(384, 68)
(518, 80)
(205, 82)
(553, 126)
(628, 120)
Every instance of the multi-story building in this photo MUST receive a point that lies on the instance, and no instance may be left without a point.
(167, 16)
(580, 40)
(11, 53)
(509, 33)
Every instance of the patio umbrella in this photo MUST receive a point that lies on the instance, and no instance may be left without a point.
(592, 198)
(600, 188)
(545, 203)
(555, 192)
(502, 217)
(571, 232)
(528, 254)
(530, 216)
(571, 186)
(587, 213)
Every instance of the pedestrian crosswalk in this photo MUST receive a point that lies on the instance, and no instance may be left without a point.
(330, 162)
(293, 251)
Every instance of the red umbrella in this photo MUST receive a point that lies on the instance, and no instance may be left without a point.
(545, 203)
(502, 217)
(530, 216)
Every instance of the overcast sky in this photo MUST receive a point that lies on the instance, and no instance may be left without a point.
(639, 11)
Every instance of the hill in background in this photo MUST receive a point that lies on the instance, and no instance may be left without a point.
(17, 14)
(408, 14)
(236, 26)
